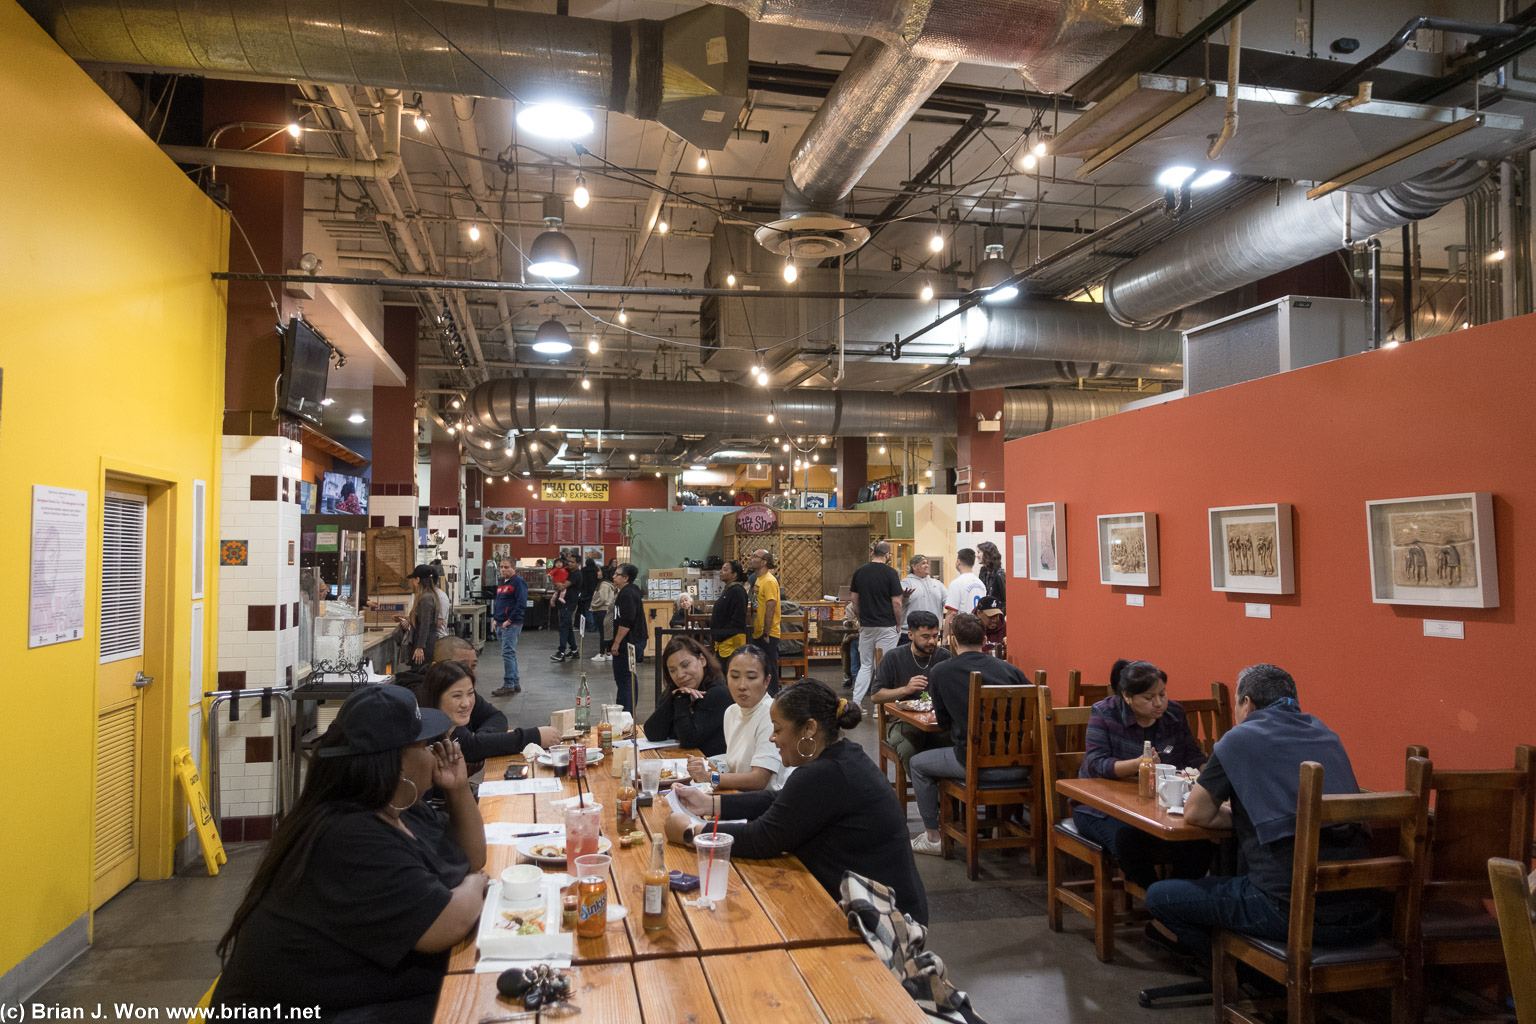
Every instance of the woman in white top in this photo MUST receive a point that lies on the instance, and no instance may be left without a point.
(752, 760)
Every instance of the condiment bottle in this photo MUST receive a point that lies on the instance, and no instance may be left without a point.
(583, 706)
(605, 738)
(626, 802)
(1146, 774)
(657, 882)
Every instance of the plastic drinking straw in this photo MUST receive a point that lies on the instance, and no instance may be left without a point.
(709, 861)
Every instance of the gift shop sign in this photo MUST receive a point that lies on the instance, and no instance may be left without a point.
(756, 519)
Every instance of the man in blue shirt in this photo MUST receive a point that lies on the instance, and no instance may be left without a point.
(507, 615)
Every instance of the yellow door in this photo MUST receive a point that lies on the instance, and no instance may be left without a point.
(120, 683)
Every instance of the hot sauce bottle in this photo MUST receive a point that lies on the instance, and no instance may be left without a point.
(657, 882)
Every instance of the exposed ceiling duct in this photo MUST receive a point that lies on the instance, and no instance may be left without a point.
(1264, 236)
(1008, 373)
(688, 72)
(1079, 331)
(1035, 412)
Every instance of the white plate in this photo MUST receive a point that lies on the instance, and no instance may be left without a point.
(594, 755)
(525, 847)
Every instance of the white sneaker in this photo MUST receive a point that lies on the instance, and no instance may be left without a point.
(597, 657)
(922, 844)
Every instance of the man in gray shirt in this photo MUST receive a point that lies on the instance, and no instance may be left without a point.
(921, 592)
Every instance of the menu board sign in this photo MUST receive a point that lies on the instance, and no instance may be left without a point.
(575, 490)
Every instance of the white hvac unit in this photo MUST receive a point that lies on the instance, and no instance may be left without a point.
(1286, 334)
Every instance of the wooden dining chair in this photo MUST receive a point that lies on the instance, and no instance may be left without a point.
(1209, 719)
(1001, 732)
(1390, 962)
(1478, 815)
(1080, 694)
(1063, 744)
(1514, 901)
(795, 627)
(885, 753)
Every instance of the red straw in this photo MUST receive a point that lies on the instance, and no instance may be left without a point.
(709, 862)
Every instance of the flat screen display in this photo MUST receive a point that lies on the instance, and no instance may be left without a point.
(343, 495)
(306, 364)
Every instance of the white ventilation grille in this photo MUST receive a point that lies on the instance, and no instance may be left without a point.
(122, 577)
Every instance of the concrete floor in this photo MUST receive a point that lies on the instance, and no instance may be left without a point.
(154, 943)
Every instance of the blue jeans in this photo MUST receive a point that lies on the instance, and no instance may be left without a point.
(1193, 909)
(928, 767)
(509, 637)
(1139, 854)
(567, 633)
(623, 680)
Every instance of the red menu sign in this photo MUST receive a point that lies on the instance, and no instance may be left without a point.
(565, 526)
(587, 525)
(756, 519)
(613, 525)
(538, 526)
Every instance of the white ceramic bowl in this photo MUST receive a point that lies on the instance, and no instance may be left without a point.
(521, 883)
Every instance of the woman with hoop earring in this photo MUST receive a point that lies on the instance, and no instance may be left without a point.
(364, 889)
(836, 811)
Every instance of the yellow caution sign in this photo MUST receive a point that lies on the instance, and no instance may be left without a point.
(192, 789)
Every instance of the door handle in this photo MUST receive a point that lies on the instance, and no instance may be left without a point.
(141, 680)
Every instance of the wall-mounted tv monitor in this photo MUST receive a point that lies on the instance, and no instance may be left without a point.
(343, 495)
(306, 364)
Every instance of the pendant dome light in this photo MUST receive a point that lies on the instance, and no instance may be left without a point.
(553, 254)
(552, 339)
(994, 271)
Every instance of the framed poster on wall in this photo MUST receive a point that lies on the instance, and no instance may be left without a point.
(1046, 524)
(1435, 550)
(1251, 549)
(1128, 549)
(505, 522)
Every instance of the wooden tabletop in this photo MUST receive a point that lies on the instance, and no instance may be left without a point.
(821, 985)
(924, 720)
(1118, 799)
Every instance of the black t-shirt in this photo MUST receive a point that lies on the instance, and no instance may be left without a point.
(1269, 865)
(876, 583)
(897, 667)
(343, 935)
(950, 687)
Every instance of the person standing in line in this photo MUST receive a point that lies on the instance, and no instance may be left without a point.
(767, 619)
(991, 574)
(964, 590)
(444, 606)
(875, 602)
(628, 632)
(414, 634)
(920, 593)
(565, 607)
(602, 604)
(728, 617)
(507, 620)
(591, 575)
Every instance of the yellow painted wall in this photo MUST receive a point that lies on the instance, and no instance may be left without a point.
(113, 356)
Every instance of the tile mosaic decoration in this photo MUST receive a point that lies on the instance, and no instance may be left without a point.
(234, 552)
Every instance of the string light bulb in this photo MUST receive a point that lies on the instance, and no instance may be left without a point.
(421, 120)
(623, 316)
(581, 196)
(662, 227)
(631, 456)
(1029, 161)
(983, 483)
(1039, 147)
(815, 457)
(702, 162)
(506, 478)
(586, 385)
(927, 292)
(730, 280)
(882, 449)
(770, 417)
(456, 403)
(593, 346)
(295, 130)
(936, 243)
(474, 232)
(790, 271)
(762, 378)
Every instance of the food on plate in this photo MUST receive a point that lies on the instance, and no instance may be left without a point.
(524, 922)
(547, 851)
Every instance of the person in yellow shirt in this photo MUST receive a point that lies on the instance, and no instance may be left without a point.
(766, 617)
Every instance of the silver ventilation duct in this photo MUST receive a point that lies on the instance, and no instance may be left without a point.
(662, 407)
(1079, 331)
(1008, 373)
(1262, 237)
(1034, 412)
(689, 72)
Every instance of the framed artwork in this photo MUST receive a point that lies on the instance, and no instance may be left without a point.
(1251, 549)
(1435, 550)
(506, 522)
(1128, 549)
(1047, 527)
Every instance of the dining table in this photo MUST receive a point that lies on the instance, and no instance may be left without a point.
(927, 721)
(777, 948)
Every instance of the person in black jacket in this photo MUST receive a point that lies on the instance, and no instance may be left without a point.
(836, 811)
(728, 618)
(480, 728)
(628, 630)
(591, 575)
(990, 572)
(692, 711)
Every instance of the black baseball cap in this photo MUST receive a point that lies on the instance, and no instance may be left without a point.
(422, 572)
(383, 717)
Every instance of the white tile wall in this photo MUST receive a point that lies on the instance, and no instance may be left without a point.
(991, 516)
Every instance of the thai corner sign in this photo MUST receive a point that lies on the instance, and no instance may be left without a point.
(756, 519)
(574, 490)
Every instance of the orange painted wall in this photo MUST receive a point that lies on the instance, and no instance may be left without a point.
(1443, 415)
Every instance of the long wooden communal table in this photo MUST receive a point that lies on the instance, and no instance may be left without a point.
(778, 936)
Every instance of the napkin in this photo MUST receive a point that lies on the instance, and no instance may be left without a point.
(507, 833)
(519, 787)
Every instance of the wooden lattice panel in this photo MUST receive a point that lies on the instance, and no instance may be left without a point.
(800, 565)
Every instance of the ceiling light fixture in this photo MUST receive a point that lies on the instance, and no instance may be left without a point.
(332, 401)
(936, 243)
(703, 161)
(730, 280)
(770, 415)
(506, 478)
(1391, 344)
(421, 120)
(356, 417)
(1214, 176)
(1173, 177)
(456, 403)
(553, 254)
(487, 444)
(1029, 161)
(586, 385)
(555, 121)
(983, 483)
(815, 457)
(658, 472)
(786, 446)
(1040, 146)
(582, 196)
(593, 346)
(631, 456)
(469, 427)
(474, 232)
(762, 378)
(295, 130)
(994, 274)
(623, 316)
(1497, 255)
(822, 441)
(927, 292)
(552, 339)
(882, 449)
(662, 227)
(791, 272)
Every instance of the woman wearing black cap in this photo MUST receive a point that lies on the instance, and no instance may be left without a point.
(363, 890)
(418, 632)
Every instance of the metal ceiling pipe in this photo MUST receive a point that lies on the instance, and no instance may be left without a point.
(1008, 373)
(1039, 329)
(1034, 412)
(651, 70)
(1263, 237)
(383, 165)
(663, 407)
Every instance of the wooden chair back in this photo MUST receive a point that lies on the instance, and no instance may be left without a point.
(1209, 719)
(879, 708)
(1479, 814)
(1063, 745)
(1405, 811)
(1515, 904)
(1080, 693)
(1002, 728)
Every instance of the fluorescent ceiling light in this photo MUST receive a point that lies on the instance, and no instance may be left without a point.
(1214, 176)
(555, 121)
(1173, 177)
